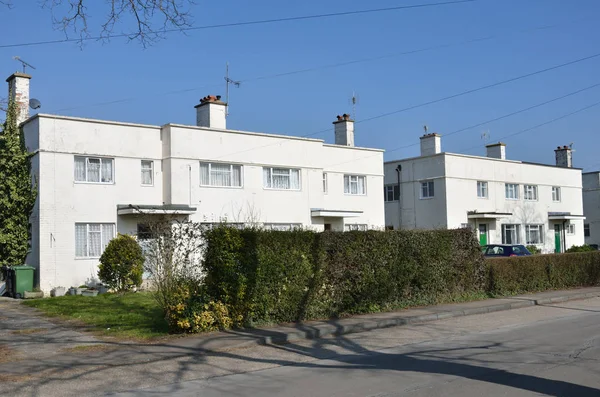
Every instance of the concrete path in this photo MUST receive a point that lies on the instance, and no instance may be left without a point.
(39, 357)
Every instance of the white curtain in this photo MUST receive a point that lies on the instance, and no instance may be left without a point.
(80, 239)
(108, 233)
(281, 178)
(204, 174)
(80, 169)
(147, 173)
(95, 240)
(295, 182)
(361, 185)
(220, 174)
(267, 177)
(236, 177)
(107, 174)
(93, 170)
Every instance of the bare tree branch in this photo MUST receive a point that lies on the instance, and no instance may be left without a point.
(143, 20)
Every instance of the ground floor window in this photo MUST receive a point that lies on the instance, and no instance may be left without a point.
(571, 229)
(534, 234)
(511, 234)
(586, 230)
(355, 226)
(92, 238)
(282, 226)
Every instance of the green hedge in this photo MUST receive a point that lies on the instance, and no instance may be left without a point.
(514, 275)
(274, 276)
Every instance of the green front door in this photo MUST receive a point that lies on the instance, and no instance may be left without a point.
(557, 239)
(483, 234)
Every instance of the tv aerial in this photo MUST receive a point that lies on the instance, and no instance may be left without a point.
(25, 64)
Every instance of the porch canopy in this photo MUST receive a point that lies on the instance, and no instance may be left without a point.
(320, 212)
(564, 216)
(488, 215)
(165, 209)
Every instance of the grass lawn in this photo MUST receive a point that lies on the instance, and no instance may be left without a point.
(132, 315)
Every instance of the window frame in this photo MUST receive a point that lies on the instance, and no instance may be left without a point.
(571, 230)
(87, 236)
(430, 185)
(353, 227)
(530, 189)
(151, 169)
(541, 231)
(350, 182)
(587, 230)
(86, 162)
(516, 190)
(394, 190)
(325, 183)
(483, 190)
(556, 194)
(289, 176)
(517, 228)
(281, 226)
(210, 179)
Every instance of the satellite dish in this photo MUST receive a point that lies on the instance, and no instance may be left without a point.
(34, 103)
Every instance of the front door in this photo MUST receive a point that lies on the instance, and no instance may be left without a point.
(557, 239)
(483, 234)
(327, 227)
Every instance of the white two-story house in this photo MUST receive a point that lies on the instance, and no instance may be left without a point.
(504, 201)
(591, 207)
(97, 178)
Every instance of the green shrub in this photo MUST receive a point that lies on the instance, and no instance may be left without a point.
(122, 263)
(514, 275)
(533, 249)
(581, 248)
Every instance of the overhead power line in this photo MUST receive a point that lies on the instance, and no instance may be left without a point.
(247, 23)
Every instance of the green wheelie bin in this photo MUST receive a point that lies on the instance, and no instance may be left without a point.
(23, 280)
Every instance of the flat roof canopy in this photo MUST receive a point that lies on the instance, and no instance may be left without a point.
(566, 216)
(165, 209)
(488, 215)
(320, 212)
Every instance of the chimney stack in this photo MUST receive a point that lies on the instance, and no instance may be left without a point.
(344, 130)
(18, 92)
(496, 150)
(211, 112)
(564, 156)
(431, 144)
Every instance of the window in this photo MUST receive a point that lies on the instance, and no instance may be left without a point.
(233, 225)
(571, 228)
(555, 193)
(512, 191)
(427, 190)
(220, 174)
(355, 184)
(534, 234)
(147, 172)
(282, 226)
(530, 192)
(355, 226)
(482, 189)
(143, 231)
(391, 192)
(586, 230)
(281, 178)
(92, 238)
(511, 234)
(93, 169)
(325, 182)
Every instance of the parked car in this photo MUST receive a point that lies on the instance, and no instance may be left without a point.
(499, 250)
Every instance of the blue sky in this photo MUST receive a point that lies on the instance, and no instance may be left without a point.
(78, 80)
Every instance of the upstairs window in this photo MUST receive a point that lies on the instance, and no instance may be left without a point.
(530, 192)
(427, 189)
(391, 192)
(147, 172)
(512, 191)
(220, 174)
(281, 178)
(355, 185)
(556, 194)
(482, 189)
(325, 183)
(94, 169)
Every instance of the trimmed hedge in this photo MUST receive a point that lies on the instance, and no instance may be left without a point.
(273, 276)
(543, 272)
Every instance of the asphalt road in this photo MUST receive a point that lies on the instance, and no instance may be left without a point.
(553, 351)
